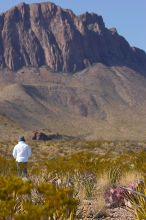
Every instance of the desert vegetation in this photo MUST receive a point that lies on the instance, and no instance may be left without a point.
(74, 180)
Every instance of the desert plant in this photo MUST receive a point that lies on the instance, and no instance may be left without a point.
(115, 174)
(11, 191)
(17, 200)
(7, 167)
(137, 200)
(114, 197)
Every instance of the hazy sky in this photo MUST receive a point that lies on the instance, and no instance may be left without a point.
(128, 16)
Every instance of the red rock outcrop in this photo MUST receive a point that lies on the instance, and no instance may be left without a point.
(45, 34)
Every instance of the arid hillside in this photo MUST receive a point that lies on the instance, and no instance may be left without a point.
(98, 102)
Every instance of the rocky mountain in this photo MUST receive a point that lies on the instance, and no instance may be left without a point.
(45, 34)
(70, 75)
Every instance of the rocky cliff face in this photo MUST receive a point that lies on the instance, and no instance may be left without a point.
(45, 34)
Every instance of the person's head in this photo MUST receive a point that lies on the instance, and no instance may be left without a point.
(21, 138)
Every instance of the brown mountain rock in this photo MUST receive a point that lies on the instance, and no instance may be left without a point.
(105, 100)
(45, 34)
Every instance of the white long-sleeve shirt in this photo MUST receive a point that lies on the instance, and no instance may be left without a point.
(21, 152)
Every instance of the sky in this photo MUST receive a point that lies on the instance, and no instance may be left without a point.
(128, 16)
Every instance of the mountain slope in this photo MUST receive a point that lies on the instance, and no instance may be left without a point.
(98, 102)
(69, 74)
(45, 34)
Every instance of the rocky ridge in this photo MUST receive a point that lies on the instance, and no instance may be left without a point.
(45, 34)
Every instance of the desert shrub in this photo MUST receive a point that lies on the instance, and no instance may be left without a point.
(136, 196)
(17, 200)
(56, 182)
(7, 167)
(84, 169)
(123, 165)
(11, 191)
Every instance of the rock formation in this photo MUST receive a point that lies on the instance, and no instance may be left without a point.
(45, 34)
(41, 136)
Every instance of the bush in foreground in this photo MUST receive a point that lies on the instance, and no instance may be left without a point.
(23, 200)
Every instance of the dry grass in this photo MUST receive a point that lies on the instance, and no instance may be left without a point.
(84, 165)
(130, 177)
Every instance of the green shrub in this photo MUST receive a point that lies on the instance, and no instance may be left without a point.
(17, 200)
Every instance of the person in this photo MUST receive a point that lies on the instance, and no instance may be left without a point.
(21, 153)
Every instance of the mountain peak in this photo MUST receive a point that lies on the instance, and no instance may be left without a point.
(45, 34)
(92, 18)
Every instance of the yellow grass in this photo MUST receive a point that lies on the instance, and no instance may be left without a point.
(130, 177)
